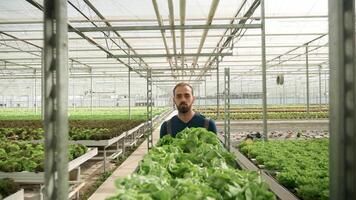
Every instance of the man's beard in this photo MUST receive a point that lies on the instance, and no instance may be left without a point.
(183, 108)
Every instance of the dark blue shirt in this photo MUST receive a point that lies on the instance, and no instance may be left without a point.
(178, 125)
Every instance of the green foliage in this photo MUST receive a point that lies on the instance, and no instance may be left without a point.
(194, 165)
(78, 129)
(17, 156)
(270, 115)
(8, 187)
(299, 165)
(109, 113)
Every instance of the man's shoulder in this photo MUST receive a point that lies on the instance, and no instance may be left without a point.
(201, 116)
(175, 117)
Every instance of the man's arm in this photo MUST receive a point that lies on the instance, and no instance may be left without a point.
(212, 126)
(163, 130)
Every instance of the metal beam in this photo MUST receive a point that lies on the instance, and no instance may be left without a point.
(163, 27)
(76, 20)
(208, 22)
(171, 23)
(217, 90)
(130, 49)
(56, 99)
(169, 55)
(264, 67)
(342, 99)
(307, 78)
(92, 41)
(242, 23)
(167, 36)
(182, 8)
(163, 33)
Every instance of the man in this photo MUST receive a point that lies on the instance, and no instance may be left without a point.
(184, 98)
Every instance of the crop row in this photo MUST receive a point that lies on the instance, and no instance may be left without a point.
(17, 156)
(78, 130)
(271, 115)
(194, 165)
(111, 113)
(299, 165)
(8, 187)
(254, 110)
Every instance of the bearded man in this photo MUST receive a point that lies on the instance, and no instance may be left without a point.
(183, 98)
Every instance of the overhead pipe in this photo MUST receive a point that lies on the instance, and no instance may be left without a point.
(247, 16)
(182, 8)
(213, 8)
(159, 21)
(116, 33)
(171, 23)
(89, 39)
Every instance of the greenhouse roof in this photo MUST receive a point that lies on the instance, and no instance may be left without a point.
(180, 41)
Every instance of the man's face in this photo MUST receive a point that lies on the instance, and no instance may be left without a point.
(183, 99)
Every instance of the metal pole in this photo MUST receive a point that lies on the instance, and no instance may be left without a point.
(264, 79)
(296, 95)
(129, 93)
(91, 92)
(342, 83)
(129, 86)
(228, 109)
(284, 94)
(149, 109)
(43, 94)
(56, 99)
(227, 139)
(199, 95)
(205, 92)
(73, 88)
(307, 76)
(217, 89)
(35, 91)
(320, 87)
(225, 110)
(241, 91)
(325, 85)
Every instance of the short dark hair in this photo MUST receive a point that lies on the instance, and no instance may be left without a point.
(182, 84)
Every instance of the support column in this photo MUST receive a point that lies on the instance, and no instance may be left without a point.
(264, 79)
(91, 92)
(205, 92)
(149, 110)
(342, 99)
(307, 77)
(129, 86)
(320, 87)
(129, 92)
(35, 92)
(199, 95)
(56, 99)
(325, 89)
(227, 109)
(73, 88)
(217, 90)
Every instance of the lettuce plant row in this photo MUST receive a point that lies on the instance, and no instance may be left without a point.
(194, 165)
(78, 130)
(270, 115)
(17, 156)
(8, 187)
(299, 165)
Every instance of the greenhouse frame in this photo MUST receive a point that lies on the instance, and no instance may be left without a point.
(254, 65)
